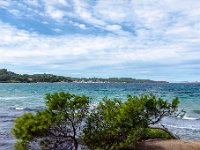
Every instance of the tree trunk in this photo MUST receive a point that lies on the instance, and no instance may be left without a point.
(75, 144)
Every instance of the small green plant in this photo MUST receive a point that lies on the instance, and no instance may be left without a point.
(157, 133)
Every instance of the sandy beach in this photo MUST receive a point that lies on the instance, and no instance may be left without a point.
(169, 145)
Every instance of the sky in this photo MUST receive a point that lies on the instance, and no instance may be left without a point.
(144, 39)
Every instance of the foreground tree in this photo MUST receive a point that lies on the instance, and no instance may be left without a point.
(112, 124)
(117, 125)
(56, 127)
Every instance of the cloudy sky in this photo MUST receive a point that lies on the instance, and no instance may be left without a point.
(151, 39)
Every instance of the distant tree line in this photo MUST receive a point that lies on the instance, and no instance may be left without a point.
(8, 76)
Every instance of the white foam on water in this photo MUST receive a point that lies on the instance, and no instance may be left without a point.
(181, 127)
(11, 98)
(190, 118)
(19, 108)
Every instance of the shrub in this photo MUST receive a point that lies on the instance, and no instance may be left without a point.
(157, 133)
(57, 125)
(113, 124)
(117, 125)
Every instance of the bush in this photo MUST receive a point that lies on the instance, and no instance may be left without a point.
(117, 125)
(157, 133)
(57, 125)
(113, 124)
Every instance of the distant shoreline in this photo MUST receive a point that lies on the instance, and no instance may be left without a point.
(99, 82)
(154, 82)
(11, 77)
(104, 82)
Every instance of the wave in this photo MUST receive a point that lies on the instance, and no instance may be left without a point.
(28, 109)
(19, 108)
(181, 127)
(190, 118)
(13, 98)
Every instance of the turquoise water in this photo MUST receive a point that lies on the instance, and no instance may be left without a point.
(15, 99)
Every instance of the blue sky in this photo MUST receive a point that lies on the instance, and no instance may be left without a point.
(149, 39)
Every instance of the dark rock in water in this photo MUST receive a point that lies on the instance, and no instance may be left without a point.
(34, 109)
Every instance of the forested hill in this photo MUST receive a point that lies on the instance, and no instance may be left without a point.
(11, 77)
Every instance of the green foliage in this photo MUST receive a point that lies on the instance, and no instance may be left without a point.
(68, 108)
(111, 125)
(61, 121)
(20, 146)
(101, 126)
(30, 126)
(150, 109)
(117, 125)
(157, 133)
(8, 76)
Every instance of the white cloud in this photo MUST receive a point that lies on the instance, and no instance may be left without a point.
(15, 12)
(114, 11)
(81, 9)
(82, 26)
(113, 27)
(57, 30)
(33, 2)
(82, 50)
(55, 13)
(62, 2)
(121, 32)
(79, 25)
(4, 3)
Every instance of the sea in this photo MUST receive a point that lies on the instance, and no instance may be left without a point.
(18, 98)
